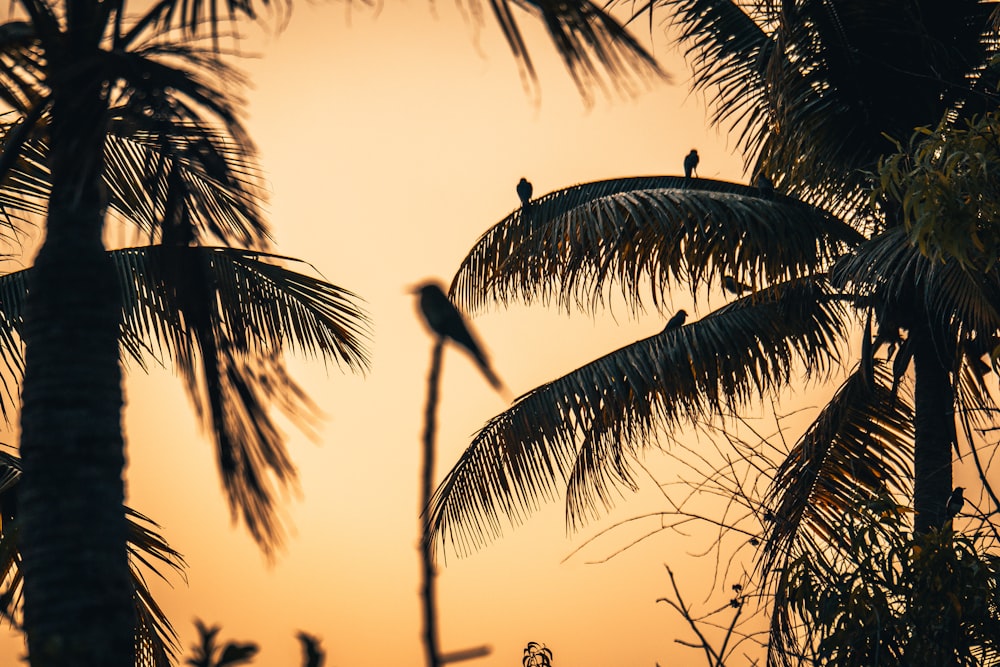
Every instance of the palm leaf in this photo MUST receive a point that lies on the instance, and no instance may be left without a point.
(223, 317)
(859, 446)
(814, 87)
(570, 244)
(156, 641)
(621, 402)
(594, 47)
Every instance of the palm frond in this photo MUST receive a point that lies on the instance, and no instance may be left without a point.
(225, 317)
(623, 401)
(194, 17)
(569, 245)
(860, 444)
(858, 447)
(156, 641)
(178, 154)
(814, 87)
(21, 63)
(595, 48)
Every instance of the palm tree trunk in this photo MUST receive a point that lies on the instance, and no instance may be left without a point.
(934, 426)
(77, 595)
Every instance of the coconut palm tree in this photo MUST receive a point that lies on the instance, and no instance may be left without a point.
(155, 639)
(816, 92)
(126, 113)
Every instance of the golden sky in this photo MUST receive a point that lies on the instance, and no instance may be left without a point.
(391, 141)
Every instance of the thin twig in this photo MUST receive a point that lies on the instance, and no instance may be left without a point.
(428, 591)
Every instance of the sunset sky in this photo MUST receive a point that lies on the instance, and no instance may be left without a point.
(391, 140)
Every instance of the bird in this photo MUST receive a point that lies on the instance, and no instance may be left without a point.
(734, 286)
(524, 191)
(691, 163)
(676, 321)
(446, 321)
(312, 654)
(765, 185)
(955, 502)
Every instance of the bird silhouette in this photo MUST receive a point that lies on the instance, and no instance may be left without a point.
(312, 654)
(956, 501)
(732, 285)
(676, 321)
(691, 161)
(524, 191)
(446, 321)
(765, 185)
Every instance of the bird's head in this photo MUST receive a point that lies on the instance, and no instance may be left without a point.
(694, 151)
(427, 287)
(682, 312)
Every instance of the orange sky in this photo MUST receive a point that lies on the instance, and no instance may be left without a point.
(391, 143)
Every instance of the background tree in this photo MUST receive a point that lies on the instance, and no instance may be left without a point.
(815, 93)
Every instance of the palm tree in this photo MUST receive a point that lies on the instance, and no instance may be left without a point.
(129, 114)
(155, 639)
(816, 93)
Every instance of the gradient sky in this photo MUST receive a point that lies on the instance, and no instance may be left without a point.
(391, 141)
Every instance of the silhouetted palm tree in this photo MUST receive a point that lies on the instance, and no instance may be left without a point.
(815, 91)
(155, 639)
(129, 113)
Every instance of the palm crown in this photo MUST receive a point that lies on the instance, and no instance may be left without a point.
(816, 92)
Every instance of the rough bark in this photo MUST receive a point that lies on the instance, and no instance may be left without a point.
(77, 596)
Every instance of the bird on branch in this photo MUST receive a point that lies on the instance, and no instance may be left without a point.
(956, 501)
(676, 321)
(524, 191)
(446, 321)
(765, 185)
(691, 161)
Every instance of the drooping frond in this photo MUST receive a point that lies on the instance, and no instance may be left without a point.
(197, 188)
(889, 270)
(623, 401)
(179, 158)
(570, 245)
(156, 641)
(224, 317)
(593, 45)
(860, 445)
(595, 48)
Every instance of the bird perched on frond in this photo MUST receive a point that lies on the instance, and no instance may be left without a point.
(524, 191)
(765, 185)
(676, 321)
(956, 501)
(312, 654)
(446, 321)
(691, 161)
